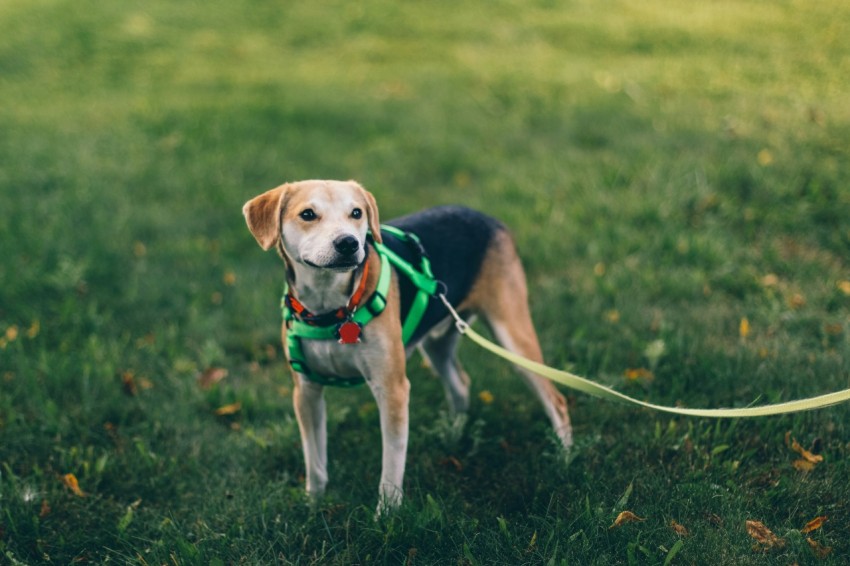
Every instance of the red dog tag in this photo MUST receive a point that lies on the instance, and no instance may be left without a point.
(349, 332)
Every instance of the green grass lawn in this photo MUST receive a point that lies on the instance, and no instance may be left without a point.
(675, 174)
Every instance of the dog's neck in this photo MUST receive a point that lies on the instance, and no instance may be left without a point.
(322, 290)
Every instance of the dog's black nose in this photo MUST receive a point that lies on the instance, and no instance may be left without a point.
(347, 245)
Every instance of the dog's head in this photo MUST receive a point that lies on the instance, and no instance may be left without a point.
(321, 224)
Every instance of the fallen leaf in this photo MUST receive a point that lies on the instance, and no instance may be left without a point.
(764, 157)
(714, 519)
(679, 529)
(633, 374)
(844, 287)
(33, 330)
(763, 535)
(625, 517)
(814, 524)
(230, 409)
(744, 328)
(820, 551)
(770, 280)
(12, 333)
(797, 301)
(229, 278)
(210, 377)
(453, 462)
(486, 397)
(813, 458)
(128, 381)
(45, 509)
(70, 481)
(612, 316)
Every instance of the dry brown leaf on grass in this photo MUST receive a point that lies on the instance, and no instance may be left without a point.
(820, 551)
(625, 517)
(714, 519)
(70, 481)
(128, 382)
(744, 328)
(210, 377)
(452, 462)
(803, 465)
(814, 524)
(230, 409)
(808, 456)
(808, 460)
(634, 374)
(764, 536)
(679, 529)
(486, 397)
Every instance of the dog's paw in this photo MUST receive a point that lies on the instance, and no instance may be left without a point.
(389, 501)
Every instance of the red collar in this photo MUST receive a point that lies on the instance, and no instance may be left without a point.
(341, 313)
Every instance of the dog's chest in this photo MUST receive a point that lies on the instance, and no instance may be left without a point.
(329, 357)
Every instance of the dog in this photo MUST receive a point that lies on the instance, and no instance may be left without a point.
(327, 233)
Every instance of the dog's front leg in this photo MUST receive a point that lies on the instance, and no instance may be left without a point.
(309, 403)
(392, 394)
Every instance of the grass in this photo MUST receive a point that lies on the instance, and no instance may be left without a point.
(668, 170)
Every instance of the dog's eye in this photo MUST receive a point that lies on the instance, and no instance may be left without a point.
(307, 215)
(356, 213)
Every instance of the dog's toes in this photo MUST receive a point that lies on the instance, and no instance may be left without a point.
(314, 497)
(565, 434)
(390, 500)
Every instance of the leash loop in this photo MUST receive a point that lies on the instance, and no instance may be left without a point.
(461, 325)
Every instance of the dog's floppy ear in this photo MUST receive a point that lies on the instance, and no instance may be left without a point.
(372, 215)
(262, 214)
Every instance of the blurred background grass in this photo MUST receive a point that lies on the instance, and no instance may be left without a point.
(668, 169)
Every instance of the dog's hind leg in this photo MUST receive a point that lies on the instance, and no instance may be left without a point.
(501, 296)
(439, 348)
(521, 339)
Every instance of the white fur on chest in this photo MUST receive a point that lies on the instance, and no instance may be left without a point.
(329, 357)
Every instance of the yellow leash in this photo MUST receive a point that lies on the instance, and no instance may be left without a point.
(586, 386)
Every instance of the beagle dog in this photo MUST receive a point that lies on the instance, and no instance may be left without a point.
(326, 233)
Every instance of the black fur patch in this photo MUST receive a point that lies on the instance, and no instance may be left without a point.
(456, 239)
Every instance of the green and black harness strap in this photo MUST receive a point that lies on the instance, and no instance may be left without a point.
(299, 329)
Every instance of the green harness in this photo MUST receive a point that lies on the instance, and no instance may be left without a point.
(423, 279)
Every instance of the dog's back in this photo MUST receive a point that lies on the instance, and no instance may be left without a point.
(456, 240)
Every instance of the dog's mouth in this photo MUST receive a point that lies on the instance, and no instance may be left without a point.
(338, 266)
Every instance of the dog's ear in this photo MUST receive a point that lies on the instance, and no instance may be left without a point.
(262, 214)
(372, 214)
